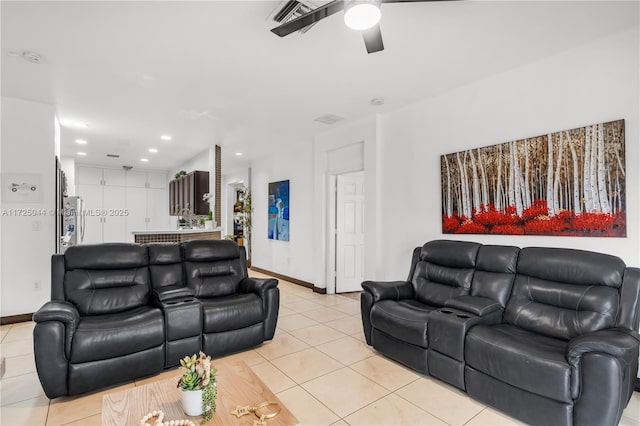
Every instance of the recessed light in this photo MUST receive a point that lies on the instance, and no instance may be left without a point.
(82, 154)
(376, 101)
(144, 160)
(81, 142)
(238, 154)
(153, 150)
(165, 137)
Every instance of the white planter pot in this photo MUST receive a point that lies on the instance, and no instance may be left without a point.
(192, 402)
(209, 224)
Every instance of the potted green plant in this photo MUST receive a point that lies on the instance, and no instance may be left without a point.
(198, 385)
(209, 199)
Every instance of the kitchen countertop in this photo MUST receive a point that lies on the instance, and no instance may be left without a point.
(175, 231)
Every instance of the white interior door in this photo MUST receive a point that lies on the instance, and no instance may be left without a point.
(349, 232)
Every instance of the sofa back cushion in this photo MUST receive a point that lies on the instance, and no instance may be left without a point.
(444, 270)
(165, 264)
(213, 268)
(495, 272)
(563, 293)
(106, 278)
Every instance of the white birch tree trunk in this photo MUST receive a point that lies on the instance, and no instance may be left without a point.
(476, 182)
(601, 172)
(556, 179)
(576, 176)
(511, 189)
(518, 180)
(463, 185)
(448, 202)
(550, 203)
(483, 180)
(586, 185)
(593, 170)
(498, 200)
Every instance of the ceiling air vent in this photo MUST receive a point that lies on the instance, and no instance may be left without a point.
(328, 119)
(291, 9)
(113, 155)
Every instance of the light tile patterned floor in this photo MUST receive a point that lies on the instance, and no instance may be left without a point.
(317, 364)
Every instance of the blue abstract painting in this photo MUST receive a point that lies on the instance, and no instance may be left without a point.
(279, 210)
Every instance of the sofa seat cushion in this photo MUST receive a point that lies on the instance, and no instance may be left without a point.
(523, 359)
(231, 312)
(405, 319)
(108, 336)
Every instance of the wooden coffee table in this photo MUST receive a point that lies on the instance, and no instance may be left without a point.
(237, 385)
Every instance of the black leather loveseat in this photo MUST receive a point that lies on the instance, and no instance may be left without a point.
(123, 311)
(543, 334)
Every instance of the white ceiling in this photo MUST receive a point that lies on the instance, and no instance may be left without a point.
(211, 72)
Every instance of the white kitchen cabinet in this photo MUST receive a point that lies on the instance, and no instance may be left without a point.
(114, 177)
(118, 202)
(136, 179)
(89, 175)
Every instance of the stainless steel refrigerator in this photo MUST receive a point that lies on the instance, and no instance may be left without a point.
(72, 222)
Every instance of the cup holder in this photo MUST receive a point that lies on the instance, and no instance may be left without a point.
(444, 311)
(462, 316)
(172, 303)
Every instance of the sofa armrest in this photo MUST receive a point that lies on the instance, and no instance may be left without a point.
(56, 323)
(257, 285)
(171, 292)
(58, 310)
(267, 289)
(476, 305)
(388, 290)
(617, 342)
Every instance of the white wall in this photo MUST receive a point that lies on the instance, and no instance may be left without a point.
(591, 84)
(28, 146)
(199, 162)
(294, 258)
(68, 165)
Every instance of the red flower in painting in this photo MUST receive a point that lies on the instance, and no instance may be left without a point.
(450, 224)
(469, 227)
(507, 230)
(538, 208)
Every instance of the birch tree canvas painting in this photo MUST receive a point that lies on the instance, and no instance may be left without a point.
(569, 183)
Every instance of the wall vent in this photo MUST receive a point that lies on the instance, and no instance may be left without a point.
(113, 155)
(291, 9)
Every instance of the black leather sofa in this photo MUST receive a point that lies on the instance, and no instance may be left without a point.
(123, 311)
(546, 335)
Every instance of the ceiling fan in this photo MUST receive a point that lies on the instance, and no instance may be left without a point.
(363, 15)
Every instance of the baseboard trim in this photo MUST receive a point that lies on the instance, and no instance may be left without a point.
(290, 279)
(13, 319)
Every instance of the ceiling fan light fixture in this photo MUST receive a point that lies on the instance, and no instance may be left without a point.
(361, 14)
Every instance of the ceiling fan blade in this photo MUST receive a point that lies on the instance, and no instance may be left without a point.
(411, 1)
(309, 18)
(373, 39)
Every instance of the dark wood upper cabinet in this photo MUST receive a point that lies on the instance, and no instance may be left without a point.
(186, 193)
